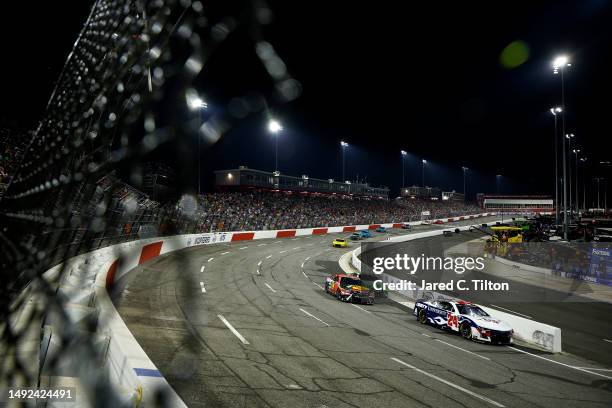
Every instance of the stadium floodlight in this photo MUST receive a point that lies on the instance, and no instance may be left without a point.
(570, 136)
(274, 126)
(555, 110)
(404, 153)
(344, 145)
(576, 151)
(560, 62)
(423, 172)
(195, 103)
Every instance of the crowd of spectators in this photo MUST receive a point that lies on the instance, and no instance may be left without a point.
(567, 260)
(261, 210)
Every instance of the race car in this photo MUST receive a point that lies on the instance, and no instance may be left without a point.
(465, 318)
(355, 236)
(381, 229)
(339, 243)
(349, 288)
(407, 226)
(365, 234)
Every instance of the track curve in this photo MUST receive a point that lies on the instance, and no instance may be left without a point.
(236, 325)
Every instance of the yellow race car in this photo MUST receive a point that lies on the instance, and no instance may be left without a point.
(340, 243)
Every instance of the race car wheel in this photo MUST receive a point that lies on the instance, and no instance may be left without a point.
(422, 316)
(466, 331)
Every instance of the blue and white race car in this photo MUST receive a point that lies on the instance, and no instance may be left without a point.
(466, 318)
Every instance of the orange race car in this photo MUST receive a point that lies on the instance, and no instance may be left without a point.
(349, 288)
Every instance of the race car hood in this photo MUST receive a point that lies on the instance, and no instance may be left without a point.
(357, 288)
(487, 322)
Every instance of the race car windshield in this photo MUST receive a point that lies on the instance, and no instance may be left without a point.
(350, 281)
(471, 310)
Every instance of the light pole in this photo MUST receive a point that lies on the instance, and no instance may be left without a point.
(583, 160)
(576, 151)
(598, 180)
(464, 184)
(343, 145)
(423, 171)
(555, 111)
(569, 138)
(274, 127)
(498, 181)
(403, 166)
(605, 163)
(559, 65)
(197, 104)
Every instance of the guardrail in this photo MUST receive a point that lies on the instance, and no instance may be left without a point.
(526, 330)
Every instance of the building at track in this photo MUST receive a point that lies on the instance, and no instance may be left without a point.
(522, 204)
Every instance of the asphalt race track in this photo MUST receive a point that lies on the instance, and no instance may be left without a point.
(249, 325)
(586, 325)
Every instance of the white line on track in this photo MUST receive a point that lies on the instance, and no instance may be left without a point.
(609, 341)
(425, 334)
(317, 285)
(307, 258)
(202, 286)
(295, 248)
(450, 384)
(202, 268)
(360, 308)
(302, 265)
(270, 287)
(596, 369)
(304, 273)
(512, 311)
(276, 242)
(262, 244)
(244, 247)
(269, 256)
(462, 349)
(259, 263)
(282, 252)
(210, 259)
(229, 326)
(314, 317)
(557, 362)
(293, 239)
(225, 253)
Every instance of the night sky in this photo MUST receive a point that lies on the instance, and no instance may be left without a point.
(427, 79)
